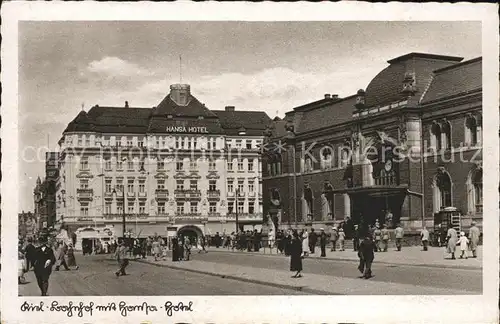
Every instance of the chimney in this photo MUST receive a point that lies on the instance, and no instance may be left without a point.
(335, 96)
(327, 96)
(180, 94)
(126, 104)
(229, 108)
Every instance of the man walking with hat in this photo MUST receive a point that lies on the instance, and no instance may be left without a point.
(322, 242)
(43, 260)
(474, 234)
(121, 256)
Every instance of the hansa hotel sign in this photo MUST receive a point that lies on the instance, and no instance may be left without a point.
(188, 129)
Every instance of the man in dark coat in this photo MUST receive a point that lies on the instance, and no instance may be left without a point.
(296, 255)
(366, 255)
(175, 249)
(256, 241)
(323, 238)
(313, 239)
(217, 240)
(43, 260)
(29, 250)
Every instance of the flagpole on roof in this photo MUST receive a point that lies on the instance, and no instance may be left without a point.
(180, 68)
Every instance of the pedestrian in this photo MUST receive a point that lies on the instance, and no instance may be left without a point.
(71, 257)
(217, 240)
(305, 243)
(187, 248)
(29, 252)
(296, 255)
(287, 243)
(313, 239)
(270, 239)
(322, 242)
(175, 249)
(463, 242)
(181, 247)
(156, 249)
(122, 258)
(256, 241)
(424, 235)
(399, 233)
(355, 238)
(341, 239)
(474, 235)
(452, 238)
(334, 236)
(202, 244)
(366, 256)
(249, 241)
(61, 256)
(377, 236)
(43, 259)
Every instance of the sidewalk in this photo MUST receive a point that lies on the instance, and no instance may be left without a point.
(413, 256)
(310, 283)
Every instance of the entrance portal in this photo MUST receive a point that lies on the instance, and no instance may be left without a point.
(367, 208)
(191, 231)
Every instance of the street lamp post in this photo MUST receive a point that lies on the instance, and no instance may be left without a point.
(236, 200)
(123, 211)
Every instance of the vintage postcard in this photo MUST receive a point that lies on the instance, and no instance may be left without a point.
(250, 163)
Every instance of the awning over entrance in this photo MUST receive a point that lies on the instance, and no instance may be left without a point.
(374, 191)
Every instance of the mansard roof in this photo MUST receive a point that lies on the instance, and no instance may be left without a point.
(105, 119)
(458, 79)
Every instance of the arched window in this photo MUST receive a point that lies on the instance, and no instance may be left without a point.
(477, 183)
(308, 166)
(442, 190)
(436, 136)
(344, 157)
(446, 135)
(326, 158)
(471, 131)
(307, 204)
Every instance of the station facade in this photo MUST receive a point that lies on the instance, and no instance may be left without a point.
(399, 151)
(176, 167)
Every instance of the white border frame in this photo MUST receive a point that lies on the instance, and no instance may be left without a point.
(271, 309)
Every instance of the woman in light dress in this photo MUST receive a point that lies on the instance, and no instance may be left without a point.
(70, 255)
(463, 242)
(305, 243)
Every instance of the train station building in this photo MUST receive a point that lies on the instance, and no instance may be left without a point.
(403, 148)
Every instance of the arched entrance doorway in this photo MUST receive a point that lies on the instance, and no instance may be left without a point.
(191, 231)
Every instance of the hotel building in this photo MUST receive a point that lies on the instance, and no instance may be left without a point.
(177, 167)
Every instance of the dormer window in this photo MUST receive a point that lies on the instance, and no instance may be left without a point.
(170, 116)
(200, 117)
(360, 99)
(409, 84)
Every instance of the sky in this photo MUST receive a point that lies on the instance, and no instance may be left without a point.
(268, 66)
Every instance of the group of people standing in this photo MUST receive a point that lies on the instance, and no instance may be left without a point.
(242, 240)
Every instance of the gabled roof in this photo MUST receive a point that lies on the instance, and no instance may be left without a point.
(454, 80)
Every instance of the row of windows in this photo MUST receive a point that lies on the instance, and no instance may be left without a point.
(180, 184)
(162, 142)
(440, 134)
(160, 165)
(181, 208)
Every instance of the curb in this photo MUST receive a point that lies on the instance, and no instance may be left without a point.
(464, 267)
(233, 277)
